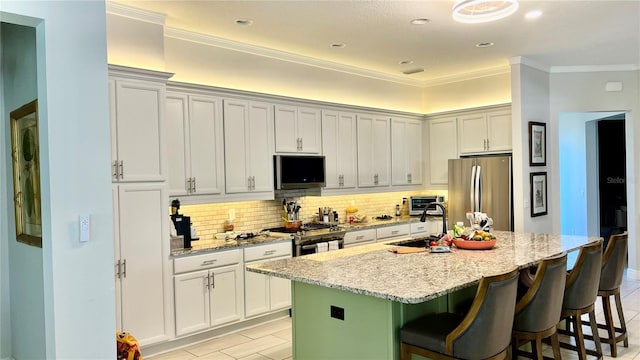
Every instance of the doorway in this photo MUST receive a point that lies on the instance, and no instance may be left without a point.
(612, 187)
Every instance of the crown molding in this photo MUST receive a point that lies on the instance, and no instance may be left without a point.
(498, 70)
(521, 60)
(594, 68)
(283, 56)
(135, 14)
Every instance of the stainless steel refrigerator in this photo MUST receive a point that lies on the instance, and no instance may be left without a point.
(483, 184)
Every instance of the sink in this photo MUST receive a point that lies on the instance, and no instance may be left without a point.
(419, 243)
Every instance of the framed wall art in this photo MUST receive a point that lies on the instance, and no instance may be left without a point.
(537, 144)
(25, 154)
(538, 194)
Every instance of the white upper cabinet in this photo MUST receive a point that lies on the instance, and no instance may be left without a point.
(406, 150)
(297, 130)
(485, 132)
(195, 151)
(136, 108)
(443, 145)
(248, 130)
(340, 149)
(374, 150)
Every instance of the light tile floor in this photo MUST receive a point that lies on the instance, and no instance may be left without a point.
(272, 341)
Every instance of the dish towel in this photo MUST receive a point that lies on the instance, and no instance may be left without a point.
(334, 245)
(322, 247)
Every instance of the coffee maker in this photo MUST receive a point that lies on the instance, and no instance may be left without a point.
(182, 223)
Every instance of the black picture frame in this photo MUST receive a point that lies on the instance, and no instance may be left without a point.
(537, 143)
(538, 185)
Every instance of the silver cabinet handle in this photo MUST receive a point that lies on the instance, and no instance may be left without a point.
(206, 282)
(188, 184)
(115, 170)
(359, 237)
(253, 183)
(249, 183)
(121, 169)
(124, 268)
(394, 232)
(488, 147)
(269, 252)
(193, 183)
(118, 269)
(213, 281)
(208, 262)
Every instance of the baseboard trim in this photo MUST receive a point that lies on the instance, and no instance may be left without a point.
(175, 344)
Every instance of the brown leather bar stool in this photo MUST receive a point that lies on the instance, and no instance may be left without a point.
(580, 294)
(483, 333)
(613, 263)
(538, 311)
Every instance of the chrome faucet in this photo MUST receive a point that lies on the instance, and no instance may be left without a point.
(423, 218)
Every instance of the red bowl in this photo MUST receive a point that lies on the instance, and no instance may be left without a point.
(474, 245)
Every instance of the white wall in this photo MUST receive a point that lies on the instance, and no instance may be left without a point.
(530, 102)
(79, 295)
(585, 92)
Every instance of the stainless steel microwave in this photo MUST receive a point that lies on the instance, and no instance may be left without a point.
(298, 172)
(418, 203)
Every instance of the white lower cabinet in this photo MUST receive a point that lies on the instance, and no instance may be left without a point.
(393, 232)
(208, 291)
(263, 293)
(359, 237)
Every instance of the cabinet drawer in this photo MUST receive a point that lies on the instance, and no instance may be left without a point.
(268, 251)
(354, 237)
(393, 231)
(206, 261)
(419, 228)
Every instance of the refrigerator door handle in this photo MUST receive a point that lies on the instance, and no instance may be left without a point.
(478, 189)
(472, 188)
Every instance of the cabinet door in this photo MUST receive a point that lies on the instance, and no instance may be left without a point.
(399, 152)
(256, 293)
(206, 148)
(139, 130)
(347, 150)
(142, 214)
(260, 145)
(443, 145)
(499, 131)
(414, 134)
(191, 301)
(381, 150)
(473, 133)
(177, 116)
(113, 129)
(279, 293)
(118, 256)
(286, 132)
(236, 128)
(309, 130)
(226, 295)
(330, 151)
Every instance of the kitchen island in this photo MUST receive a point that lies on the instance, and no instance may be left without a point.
(351, 303)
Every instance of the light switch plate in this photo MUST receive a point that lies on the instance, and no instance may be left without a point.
(85, 228)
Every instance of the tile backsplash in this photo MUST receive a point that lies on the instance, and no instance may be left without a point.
(252, 216)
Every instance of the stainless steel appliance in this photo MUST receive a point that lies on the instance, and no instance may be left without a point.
(483, 184)
(298, 172)
(306, 239)
(417, 205)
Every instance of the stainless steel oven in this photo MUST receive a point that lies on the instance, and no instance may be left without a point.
(305, 241)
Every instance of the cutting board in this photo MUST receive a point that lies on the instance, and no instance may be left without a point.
(407, 250)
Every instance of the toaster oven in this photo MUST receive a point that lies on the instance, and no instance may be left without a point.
(418, 203)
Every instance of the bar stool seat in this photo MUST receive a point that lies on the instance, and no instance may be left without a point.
(613, 264)
(580, 294)
(483, 333)
(538, 311)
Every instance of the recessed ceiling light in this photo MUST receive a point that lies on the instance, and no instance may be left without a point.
(244, 22)
(533, 14)
(337, 45)
(420, 21)
(485, 44)
(412, 71)
(406, 62)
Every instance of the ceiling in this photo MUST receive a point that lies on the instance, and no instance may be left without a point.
(378, 35)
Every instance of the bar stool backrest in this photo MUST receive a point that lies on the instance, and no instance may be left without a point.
(613, 262)
(583, 280)
(486, 329)
(540, 307)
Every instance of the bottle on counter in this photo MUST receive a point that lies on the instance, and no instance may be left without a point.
(397, 210)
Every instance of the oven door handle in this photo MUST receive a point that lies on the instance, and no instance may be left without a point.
(315, 246)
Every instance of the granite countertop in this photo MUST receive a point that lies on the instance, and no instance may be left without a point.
(414, 278)
(373, 223)
(209, 245)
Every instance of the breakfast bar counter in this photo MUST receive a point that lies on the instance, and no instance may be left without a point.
(351, 303)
